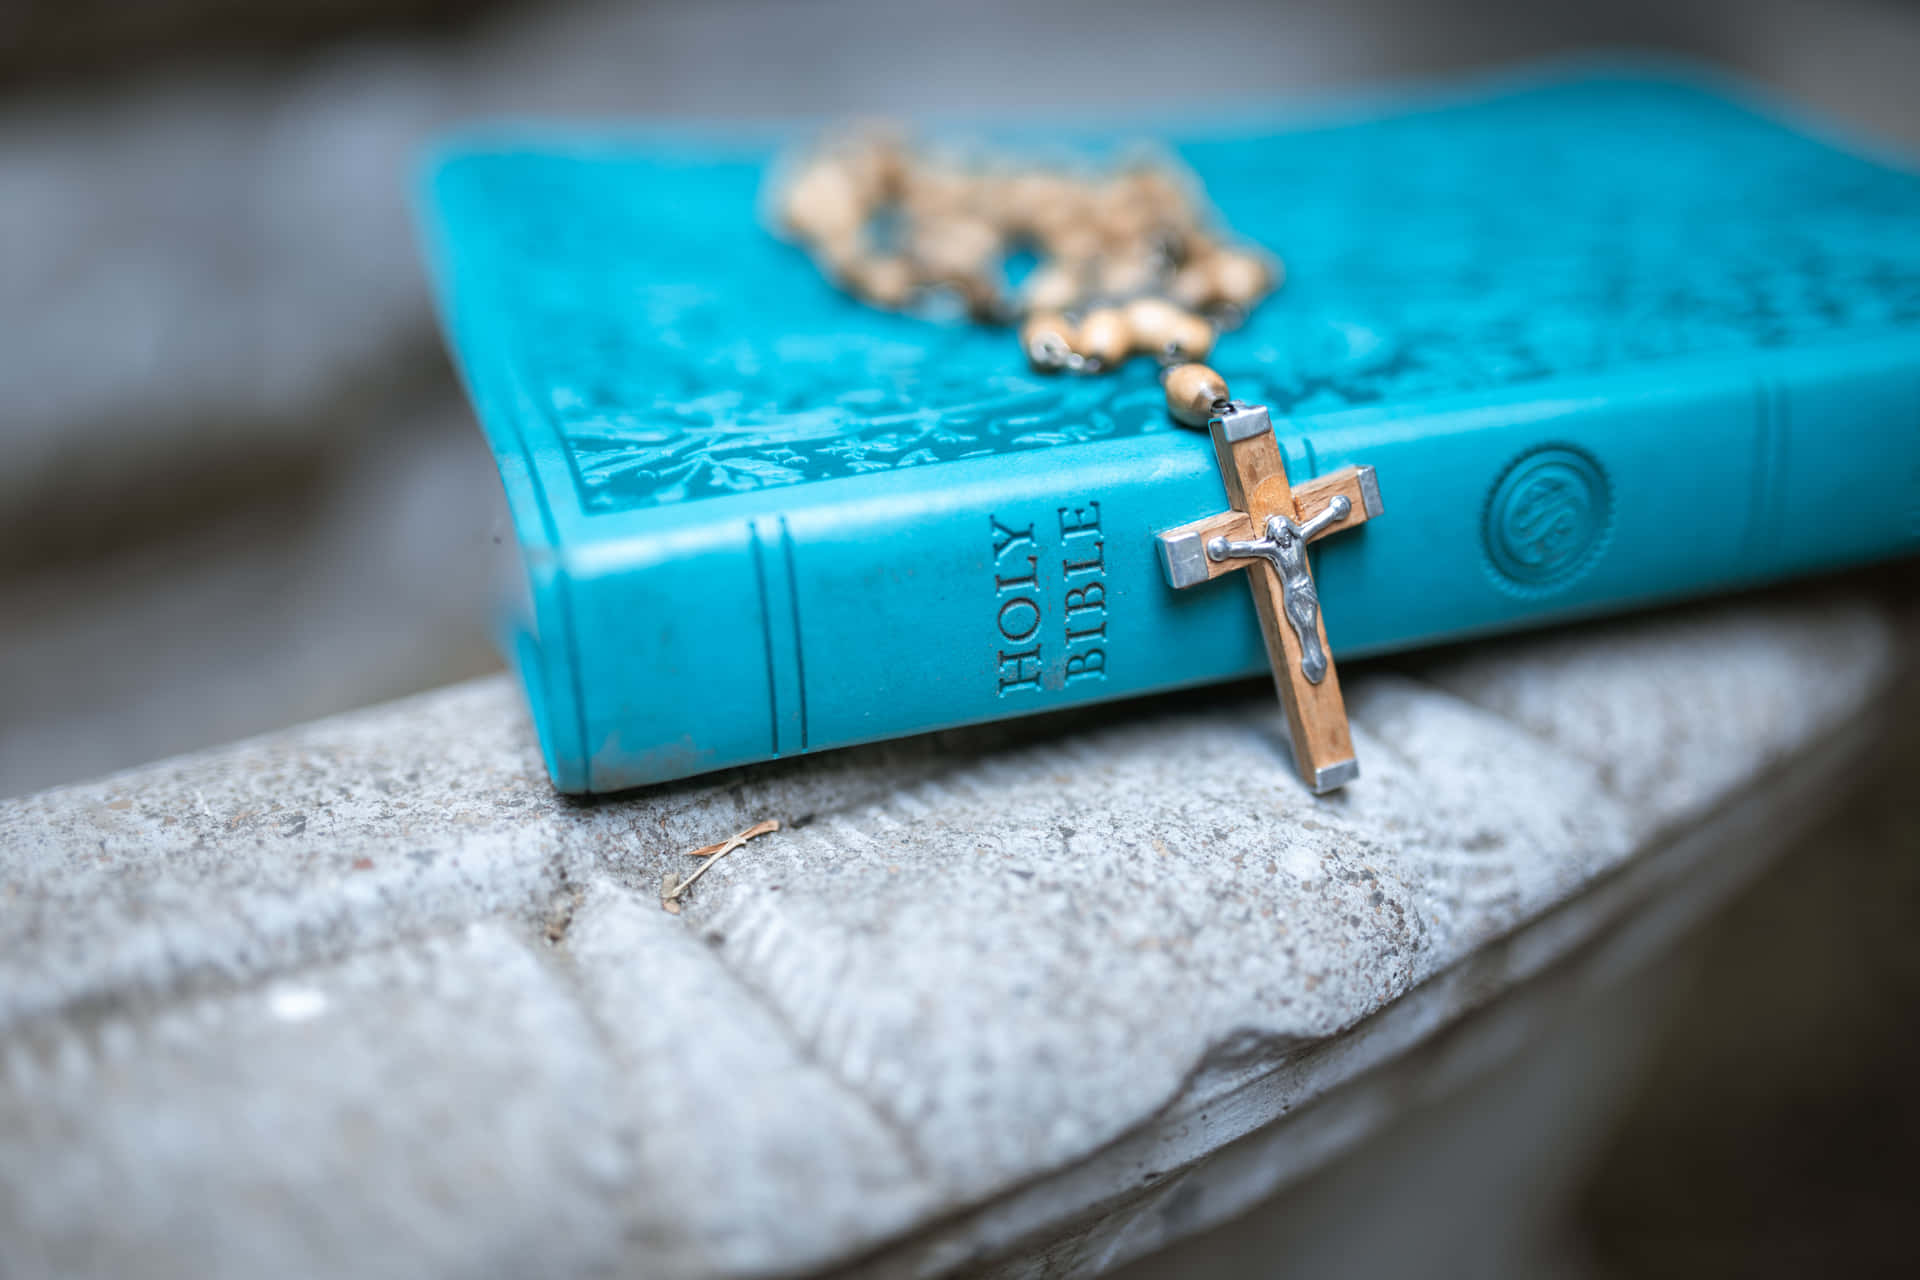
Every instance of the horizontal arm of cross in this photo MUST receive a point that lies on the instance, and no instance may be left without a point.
(1183, 550)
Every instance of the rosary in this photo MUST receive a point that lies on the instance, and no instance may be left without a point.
(1126, 266)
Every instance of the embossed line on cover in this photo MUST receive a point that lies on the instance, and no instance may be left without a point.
(772, 546)
(766, 635)
(799, 656)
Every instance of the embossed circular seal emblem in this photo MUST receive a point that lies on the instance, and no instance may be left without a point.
(1547, 519)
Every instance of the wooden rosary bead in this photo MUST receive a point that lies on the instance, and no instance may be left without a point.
(1025, 201)
(933, 192)
(885, 282)
(823, 202)
(955, 249)
(883, 160)
(1240, 279)
(1123, 222)
(1193, 286)
(1154, 322)
(1051, 288)
(1104, 337)
(1162, 193)
(840, 252)
(1076, 244)
(1197, 248)
(1048, 339)
(1192, 338)
(1192, 391)
(1124, 275)
(980, 291)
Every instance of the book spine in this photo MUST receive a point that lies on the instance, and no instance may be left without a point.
(973, 592)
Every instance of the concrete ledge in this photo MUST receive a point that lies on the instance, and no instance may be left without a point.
(367, 996)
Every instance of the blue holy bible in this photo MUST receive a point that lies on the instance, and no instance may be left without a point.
(1606, 339)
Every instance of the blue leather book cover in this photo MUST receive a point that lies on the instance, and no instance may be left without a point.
(1606, 338)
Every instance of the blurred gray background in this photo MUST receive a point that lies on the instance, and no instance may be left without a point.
(240, 487)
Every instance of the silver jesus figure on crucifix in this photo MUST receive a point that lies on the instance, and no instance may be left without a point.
(1285, 547)
(1266, 533)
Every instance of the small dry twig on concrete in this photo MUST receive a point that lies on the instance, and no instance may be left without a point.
(673, 886)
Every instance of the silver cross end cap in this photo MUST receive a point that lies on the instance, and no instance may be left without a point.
(1240, 421)
(1335, 776)
(1370, 492)
(1183, 558)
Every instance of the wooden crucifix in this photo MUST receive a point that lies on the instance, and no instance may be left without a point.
(1267, 534)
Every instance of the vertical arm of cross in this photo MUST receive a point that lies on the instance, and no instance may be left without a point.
(1257, 486)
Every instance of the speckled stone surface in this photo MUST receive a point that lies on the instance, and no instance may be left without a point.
(369, 997)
